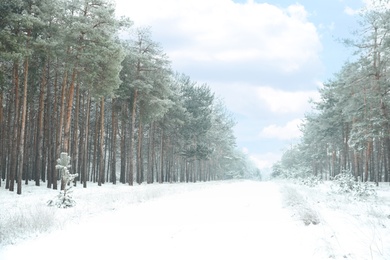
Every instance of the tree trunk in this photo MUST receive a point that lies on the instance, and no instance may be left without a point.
(162, 156)
(139, 154)
(132, 139)
(40, 129)
(345, 146)
(55, 131)
(59, 128)
(9, 131)
(15, 143)
(107, 150)
(23, 128)
(378, 161)
(2, 140)
(386, 159)
(95, 146)
(333, 163)
(47, 136)
(367, 161)
(122, 177)
(83, 109)
(75, 143)
(29, 138)
(386, 144)
(101, 144)
(113, 142)
(86, 136)
(150, 177)
(68, 114)
(68, 117)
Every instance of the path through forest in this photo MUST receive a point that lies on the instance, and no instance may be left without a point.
(233, 220)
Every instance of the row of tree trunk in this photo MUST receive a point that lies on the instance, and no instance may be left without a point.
(100, 143)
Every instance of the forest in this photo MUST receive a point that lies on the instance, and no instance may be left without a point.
(348, 130)
(76, 79)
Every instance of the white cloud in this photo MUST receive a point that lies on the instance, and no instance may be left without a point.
(265, 161)
(286, 102)
(327, 27)
(224, 31)
(288, 131)
(350, 11)
(298, 12)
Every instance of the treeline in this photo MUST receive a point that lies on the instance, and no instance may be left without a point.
(349, 130)
(76, 79)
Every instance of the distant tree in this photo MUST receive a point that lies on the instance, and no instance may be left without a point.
(349, 129)
(145, 83)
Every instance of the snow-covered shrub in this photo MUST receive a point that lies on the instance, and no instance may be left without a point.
(300, 206)
(288, 174)
(365, 189)
(308, 215)
(311, 181)
(346, 183)
(64, 198)
(297, 175)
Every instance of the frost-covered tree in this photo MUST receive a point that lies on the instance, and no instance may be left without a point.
(349, 130)
(64, 198)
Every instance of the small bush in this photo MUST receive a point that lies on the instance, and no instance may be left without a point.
(301, 207)
(64, 198)
(309, 216)
(311, 181)
(346, 183)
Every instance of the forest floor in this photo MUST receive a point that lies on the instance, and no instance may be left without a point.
(213, 220)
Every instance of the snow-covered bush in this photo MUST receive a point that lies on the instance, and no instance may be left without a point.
(365, 189)
(297, 175)
(64, 198)
(301, 207)
(311, 181)
(346, 183)
(287, 174)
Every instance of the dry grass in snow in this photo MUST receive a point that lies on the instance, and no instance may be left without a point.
(215, 220)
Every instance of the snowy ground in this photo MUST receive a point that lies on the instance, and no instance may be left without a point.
(215, 220)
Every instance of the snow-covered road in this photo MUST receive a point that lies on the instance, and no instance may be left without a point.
(237, 220)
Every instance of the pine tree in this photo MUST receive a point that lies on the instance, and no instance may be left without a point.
(64, 198)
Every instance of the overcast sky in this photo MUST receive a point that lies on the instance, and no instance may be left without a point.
(265, 60)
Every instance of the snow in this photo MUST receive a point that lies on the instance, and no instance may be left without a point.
(213, 220)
